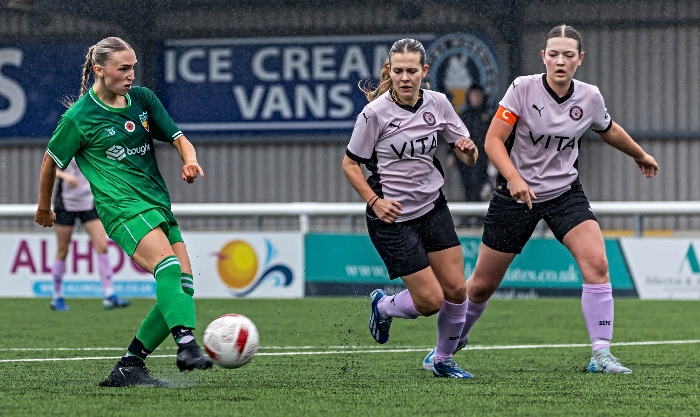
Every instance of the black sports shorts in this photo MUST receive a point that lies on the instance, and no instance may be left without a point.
(404, 246)
(508, 224)
(67, 218)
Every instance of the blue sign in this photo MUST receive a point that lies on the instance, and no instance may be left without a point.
(242, 86)
(34, 78)
(302, 85)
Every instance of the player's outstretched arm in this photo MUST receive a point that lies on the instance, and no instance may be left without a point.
(191, 167)
(619, 139)
(44, 216)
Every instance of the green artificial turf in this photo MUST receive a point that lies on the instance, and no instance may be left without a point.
(317, 357)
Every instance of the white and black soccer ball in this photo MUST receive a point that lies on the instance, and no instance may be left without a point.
(231, 340)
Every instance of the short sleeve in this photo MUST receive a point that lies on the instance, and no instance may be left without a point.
(602, 121)
(65, 142)
(512, 100)
(160, 118)
(454, 126)
(364, 136)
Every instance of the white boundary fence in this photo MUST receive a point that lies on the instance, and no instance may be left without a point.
(304, 211)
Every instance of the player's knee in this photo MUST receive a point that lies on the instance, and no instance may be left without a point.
(596, 270)
(598, 265)
(428, 304)
(456, 292)
(480, 290)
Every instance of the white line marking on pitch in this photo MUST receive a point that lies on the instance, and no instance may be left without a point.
(337, 350)
(175, 347)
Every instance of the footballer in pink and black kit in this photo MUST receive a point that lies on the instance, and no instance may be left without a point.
(534, 141)
(73, 200)
(408, 221)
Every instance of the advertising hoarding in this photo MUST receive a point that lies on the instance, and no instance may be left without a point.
(664, 269)
(351, 263)
(304, 84)
(225, 265)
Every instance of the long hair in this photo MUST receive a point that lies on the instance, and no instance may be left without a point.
(399, 47)
(564, 31)
(99, 54)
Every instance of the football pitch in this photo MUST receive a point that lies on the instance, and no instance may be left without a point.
(317, 357)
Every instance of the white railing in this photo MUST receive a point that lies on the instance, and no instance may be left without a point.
(304, 211)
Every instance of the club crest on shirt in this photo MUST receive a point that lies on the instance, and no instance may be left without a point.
(129, 126)
(575, 112)
(144, 120)
(429, 118)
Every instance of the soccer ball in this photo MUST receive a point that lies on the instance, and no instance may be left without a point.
(231, 340)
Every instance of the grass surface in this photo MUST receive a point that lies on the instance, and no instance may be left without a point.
(317, 358)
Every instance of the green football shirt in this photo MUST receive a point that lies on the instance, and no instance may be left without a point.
(114, 150)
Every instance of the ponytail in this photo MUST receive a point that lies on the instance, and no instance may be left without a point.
(383, 86)
(87, 68)
(98, 54)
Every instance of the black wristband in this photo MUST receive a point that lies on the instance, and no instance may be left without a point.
(373, 201)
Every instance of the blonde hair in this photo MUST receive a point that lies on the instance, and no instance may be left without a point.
(401, 46)
(99, 54)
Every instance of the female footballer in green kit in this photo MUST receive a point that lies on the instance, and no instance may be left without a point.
(110, 131)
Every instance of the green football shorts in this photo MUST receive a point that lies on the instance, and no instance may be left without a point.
(128, 234)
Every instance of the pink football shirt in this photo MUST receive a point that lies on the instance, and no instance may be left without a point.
(77, 198)
(398, 143)
(547, 131)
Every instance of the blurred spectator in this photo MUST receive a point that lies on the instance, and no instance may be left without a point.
(475, 180)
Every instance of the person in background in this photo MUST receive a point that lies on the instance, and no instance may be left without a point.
(73, 200)
(110, 131)
(475, 180)
(408, 221)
